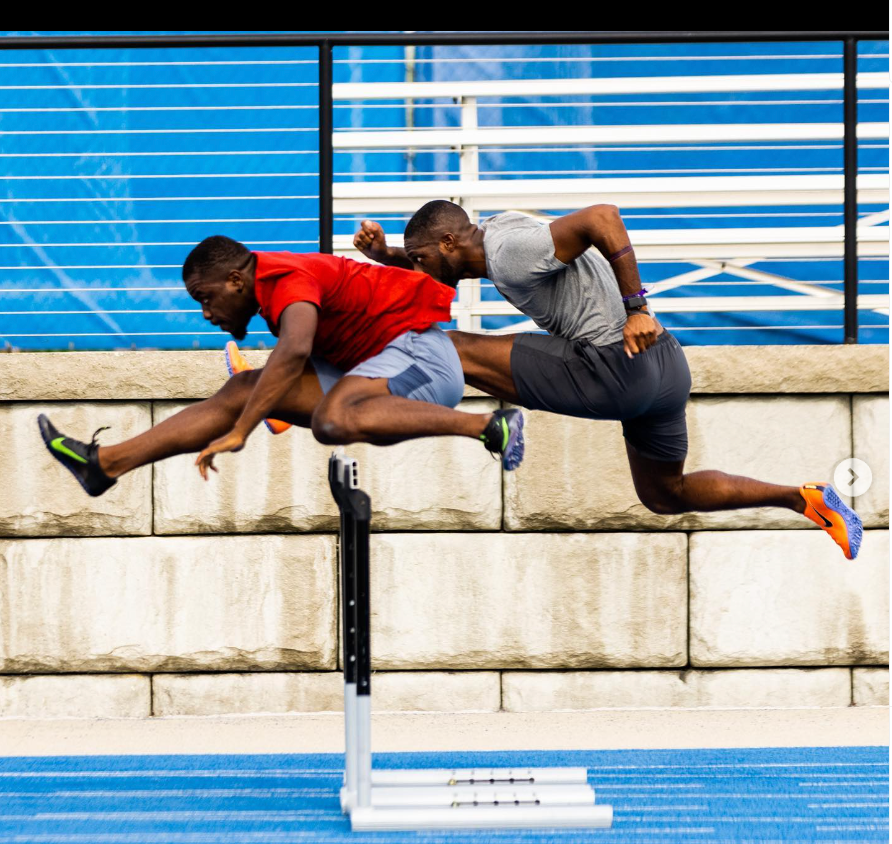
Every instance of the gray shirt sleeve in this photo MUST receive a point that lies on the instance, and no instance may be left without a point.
(519, 251)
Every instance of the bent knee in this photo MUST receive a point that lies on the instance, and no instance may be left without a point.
(331, 426)
(664, 501)
(241, 381)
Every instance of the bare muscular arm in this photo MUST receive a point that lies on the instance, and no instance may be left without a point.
(280, 375)
(370, 240)
(602, 227)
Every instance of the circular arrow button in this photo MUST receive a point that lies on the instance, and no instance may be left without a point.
(852, 477)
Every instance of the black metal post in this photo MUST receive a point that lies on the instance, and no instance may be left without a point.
(850, 191)
(355, 508)
(326, 152)
(363, 606)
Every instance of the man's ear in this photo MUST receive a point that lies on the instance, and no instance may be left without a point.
(236, 280)
(448, 242)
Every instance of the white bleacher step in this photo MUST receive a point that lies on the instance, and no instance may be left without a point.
(496, 194)
(720, 83)
(692, 244)
(634, 134)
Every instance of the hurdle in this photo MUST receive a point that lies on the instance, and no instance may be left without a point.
(471, 798)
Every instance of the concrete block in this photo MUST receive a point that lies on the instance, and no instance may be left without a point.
(152, 604)
(41, 498)
(228, 694)
(546, 690)
(118, 376)
(870, 438)
(280, 484)
(75, 696)
(564, 486)
(870, 686)
(436, 691)
(763, 598)
(489, 601)
(789, 369)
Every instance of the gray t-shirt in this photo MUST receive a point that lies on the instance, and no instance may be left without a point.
(576, 301)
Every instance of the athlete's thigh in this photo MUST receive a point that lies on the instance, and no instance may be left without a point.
(653, 479)
(486, 362)
(298, 406)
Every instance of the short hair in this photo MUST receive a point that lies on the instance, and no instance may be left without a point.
(435, 216)
(215, 253)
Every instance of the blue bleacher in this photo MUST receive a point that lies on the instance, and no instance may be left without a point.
(115, 162)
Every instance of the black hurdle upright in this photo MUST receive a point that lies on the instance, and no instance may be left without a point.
(476, 798)
(355, 508)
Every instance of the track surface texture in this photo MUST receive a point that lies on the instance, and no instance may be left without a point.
(774, 794)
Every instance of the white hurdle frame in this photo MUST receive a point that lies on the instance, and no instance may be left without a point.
(468, 798)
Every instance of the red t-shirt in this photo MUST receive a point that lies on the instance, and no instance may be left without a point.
(362, 307)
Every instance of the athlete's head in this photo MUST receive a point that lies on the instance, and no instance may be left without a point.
(219, 275)
(437, 241)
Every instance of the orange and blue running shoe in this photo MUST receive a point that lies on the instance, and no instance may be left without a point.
(235, 362)
(827, 510)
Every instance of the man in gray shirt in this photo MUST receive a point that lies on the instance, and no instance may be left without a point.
(605, 356)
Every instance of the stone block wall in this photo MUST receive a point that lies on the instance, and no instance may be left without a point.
(548, 588)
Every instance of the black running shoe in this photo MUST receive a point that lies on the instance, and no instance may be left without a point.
(504, 436)
(79, 458)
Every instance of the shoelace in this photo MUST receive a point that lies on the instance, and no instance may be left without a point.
(98, 431)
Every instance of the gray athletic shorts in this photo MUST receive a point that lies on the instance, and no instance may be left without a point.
(418, 365)
(648, 393)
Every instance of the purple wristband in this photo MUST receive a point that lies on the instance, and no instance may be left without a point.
(641, 292)
(617, 255)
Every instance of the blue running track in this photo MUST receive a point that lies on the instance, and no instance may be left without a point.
(782, 795)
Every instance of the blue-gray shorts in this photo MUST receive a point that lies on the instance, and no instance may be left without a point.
(418, 365)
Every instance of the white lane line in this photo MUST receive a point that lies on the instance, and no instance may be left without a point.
(211, 793)
(293, 814)
(735, 819)
(296, 772)
(853, 828)
(223, 772)
(219, 793)
(848, 805)
(740, 765)
(881, 783)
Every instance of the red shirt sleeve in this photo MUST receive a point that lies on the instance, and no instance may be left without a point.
(296, 286)
(280, 281)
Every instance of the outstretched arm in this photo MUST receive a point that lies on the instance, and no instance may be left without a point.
(283, 370)
(370, 240)
(602, 227)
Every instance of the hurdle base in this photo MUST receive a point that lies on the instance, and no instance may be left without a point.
(451, 777)
(469, 795)
(368, 819)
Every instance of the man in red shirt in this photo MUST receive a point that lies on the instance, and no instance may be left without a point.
(386, 372)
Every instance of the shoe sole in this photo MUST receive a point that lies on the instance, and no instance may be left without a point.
(513, 454)
(854, 528)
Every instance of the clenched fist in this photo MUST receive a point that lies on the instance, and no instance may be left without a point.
(639, 334)
(370, 240)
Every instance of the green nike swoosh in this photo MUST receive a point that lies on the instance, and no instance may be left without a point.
(57, 445)
(506, 434)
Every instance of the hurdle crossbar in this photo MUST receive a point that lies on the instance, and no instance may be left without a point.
(467, 798)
